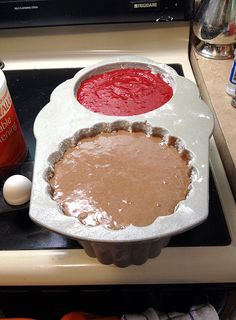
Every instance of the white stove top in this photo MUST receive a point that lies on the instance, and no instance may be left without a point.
(80, 46)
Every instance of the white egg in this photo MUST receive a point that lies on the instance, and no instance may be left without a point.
(17, 190)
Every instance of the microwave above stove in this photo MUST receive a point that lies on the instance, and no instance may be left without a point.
(34, 13)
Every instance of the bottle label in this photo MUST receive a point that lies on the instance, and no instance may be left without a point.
(232, 77)
(12, 144)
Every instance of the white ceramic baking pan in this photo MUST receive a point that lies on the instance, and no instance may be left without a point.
(185, 116)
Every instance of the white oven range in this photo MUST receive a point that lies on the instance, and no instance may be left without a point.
(81, 46)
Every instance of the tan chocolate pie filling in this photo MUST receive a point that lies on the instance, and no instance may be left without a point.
(120, 178)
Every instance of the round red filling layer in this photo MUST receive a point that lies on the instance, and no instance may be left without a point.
(124, 92)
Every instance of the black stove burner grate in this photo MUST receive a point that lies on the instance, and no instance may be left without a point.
(30, 91)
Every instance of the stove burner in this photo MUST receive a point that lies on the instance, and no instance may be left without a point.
(30, 91)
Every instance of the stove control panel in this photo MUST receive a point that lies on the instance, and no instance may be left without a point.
(32, 13)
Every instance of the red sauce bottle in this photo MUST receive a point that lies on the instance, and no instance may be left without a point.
(13, 149)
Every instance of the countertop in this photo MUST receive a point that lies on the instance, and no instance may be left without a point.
(212, 76)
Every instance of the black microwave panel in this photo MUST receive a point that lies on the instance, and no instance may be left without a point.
(35, 13)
